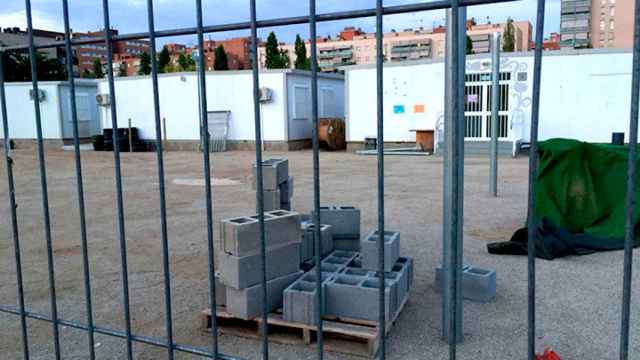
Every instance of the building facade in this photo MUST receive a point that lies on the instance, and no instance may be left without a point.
(14, 36)
(237, 50)
(575, 24)
(88, 53)
(612, 25)
(353, 46)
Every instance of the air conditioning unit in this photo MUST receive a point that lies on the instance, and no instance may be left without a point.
(266, 95)
(103, 99)
(41, 95)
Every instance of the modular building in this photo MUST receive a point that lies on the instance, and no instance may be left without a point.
(584, 96)
(285, 108)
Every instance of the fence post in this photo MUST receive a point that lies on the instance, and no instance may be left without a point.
(495, 108)
(130, 137)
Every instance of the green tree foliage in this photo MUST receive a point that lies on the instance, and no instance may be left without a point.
(220, 62)
(275, 58)
(302, 61)
(164, 58)
(86, 74)
(17, 67)
(508, 38)
(145, 64)
(469, 45)
(186, 63)
(97, 71)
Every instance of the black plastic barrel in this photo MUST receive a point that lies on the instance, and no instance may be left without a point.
(617, 138)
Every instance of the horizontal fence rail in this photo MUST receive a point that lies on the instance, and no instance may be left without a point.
(453, 189)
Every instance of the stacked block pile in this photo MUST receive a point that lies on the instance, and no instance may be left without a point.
(240, 273)
(277, 185)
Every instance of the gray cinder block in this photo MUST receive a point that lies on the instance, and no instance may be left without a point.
(286, 190)
(221, 290)
(326, 235)
(402, 269)
(409, 263)
(347, 244)
(356, 297)
(300, 299)
(242, 272)
(247, 303)
(369, 250)
(477, 284)
(271, 200)
(344, 219)
(274, 173)
(395, 282)
(241, 235)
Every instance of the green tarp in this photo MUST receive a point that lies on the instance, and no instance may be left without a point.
(580, 199)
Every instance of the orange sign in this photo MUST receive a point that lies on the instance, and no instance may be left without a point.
(418, 108)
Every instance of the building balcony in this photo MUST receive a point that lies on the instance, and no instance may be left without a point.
(410, 49)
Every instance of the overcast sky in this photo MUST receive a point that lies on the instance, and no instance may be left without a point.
(130, 15)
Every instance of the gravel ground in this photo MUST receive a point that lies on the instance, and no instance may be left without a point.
(578, 303)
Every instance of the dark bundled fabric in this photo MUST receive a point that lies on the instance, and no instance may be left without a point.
(580, 201)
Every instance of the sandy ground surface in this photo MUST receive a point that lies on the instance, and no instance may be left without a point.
(578, 303)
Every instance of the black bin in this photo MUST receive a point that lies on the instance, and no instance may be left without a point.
(617, 138)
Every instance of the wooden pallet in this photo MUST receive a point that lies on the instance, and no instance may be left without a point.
(346, 336)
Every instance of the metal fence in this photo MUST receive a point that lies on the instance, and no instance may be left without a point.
(454, 156)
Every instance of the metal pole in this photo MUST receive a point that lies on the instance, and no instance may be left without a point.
(204, 134)
(13, 206)
(453, 185)
(118, 173)
(629, 238)
(130, 137)
(161, 180)
(80, 183)
(316, 176)
(43, 183)
(495, 108)
(533, 173)
(264, 327)
(382, 327)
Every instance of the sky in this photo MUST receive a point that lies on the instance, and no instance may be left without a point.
(130, 16)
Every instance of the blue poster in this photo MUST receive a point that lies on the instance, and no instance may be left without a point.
(398, 109)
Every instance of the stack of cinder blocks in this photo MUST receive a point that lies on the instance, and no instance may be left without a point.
(349, 290)
(277, 185)
(240, 261)
(345, 222)
(477, 284)
(308, 245)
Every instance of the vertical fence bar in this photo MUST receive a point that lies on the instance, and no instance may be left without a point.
(495, 107)
(13, 206)
(316, 174)
(533, 173)
(454, 166)
(204, 133)
(118, 173)
(43, 182)
(161, 181)
(629, 236)
(260, 192)
(380, 157)
(80, 182)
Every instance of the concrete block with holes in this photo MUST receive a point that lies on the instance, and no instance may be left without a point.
(326, 236)
(344, 219)
(241, 235)
(247, 303)
(271, 201)
(356, 297)
(240, 272)
(477, 284)
(286, 192)
(299, 303)
(221, 290)
(369, 250)
(274, 173)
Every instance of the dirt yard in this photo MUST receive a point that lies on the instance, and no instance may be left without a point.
(578, 298)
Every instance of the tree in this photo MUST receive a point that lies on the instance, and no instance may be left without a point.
(17, 67)
(122, 69)
(220, 62)
(302, 61)
(145, 64)
(98, 72)
(164, 58)
(275, 58)
(469, 45)
(186, 63)
(86, 74)
(508, 38)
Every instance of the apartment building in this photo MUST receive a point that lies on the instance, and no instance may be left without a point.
(575, 24)
(14, 36)
(353, 46)
(612, 25)
(87, 54)
(237, 50)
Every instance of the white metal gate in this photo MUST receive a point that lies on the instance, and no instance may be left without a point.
(478, 106)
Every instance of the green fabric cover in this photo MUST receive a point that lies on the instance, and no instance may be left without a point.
(581, 188)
